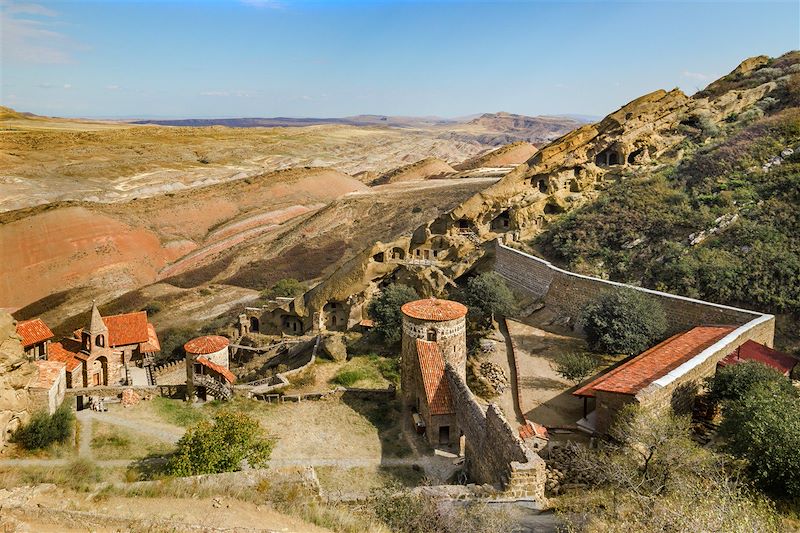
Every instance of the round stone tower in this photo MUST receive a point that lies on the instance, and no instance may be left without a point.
(432, 320)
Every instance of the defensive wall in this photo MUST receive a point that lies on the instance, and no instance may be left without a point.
(494, 453)
(567, 294)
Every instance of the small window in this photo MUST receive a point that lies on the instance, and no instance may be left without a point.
(432, 335)
(100, 340)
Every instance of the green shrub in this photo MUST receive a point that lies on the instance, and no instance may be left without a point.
(623, 321)
(487, 296)
(385, 310)
(575, 366)
(172, 341)
(221, 445)
(45, 429)
(763, 427)
(152, 308)
(734, 382)
(286, 288)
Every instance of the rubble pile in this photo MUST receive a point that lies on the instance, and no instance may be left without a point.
(494, 375)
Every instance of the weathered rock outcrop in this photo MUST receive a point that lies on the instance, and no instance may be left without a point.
(564, 174)
(430, 167)
(16, 373)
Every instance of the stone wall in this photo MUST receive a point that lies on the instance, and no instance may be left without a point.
(567, 293)
(494, 453)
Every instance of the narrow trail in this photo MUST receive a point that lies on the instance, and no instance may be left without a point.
(512, 372)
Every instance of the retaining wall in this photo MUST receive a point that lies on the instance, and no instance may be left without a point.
(567, 293)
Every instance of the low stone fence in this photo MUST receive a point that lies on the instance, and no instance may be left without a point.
(143, 391)
(386, 394)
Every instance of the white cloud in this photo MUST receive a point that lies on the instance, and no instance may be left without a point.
(68, 86)
(28, 35)
(54, 85)
(113, 87)
(695, 75)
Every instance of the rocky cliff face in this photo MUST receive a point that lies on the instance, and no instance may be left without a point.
(639, 137)
(16, 372)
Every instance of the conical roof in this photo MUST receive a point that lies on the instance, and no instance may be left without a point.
(96, 325)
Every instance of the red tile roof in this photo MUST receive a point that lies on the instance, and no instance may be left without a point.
(221, 370)
(753, 351)
(437, 389)
(640, 371)
(58, 352)
(434, 309)
(128, 328)
(49, 372)
(367, 323)
(206, 345)
(33, 331)
(532, 429)
(152, 344)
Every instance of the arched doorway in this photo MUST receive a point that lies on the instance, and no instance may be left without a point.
(100, 372)
(254, 324)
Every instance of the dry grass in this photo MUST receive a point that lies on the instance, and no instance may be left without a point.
(113, 442)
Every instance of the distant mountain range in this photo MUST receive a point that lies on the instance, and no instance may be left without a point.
(361, 120)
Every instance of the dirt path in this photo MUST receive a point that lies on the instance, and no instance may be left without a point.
(140, 426)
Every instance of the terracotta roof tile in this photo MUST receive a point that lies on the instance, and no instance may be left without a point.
(48, 373)
(33, 331)
(532, 429)
(640, 371)
(434, 309)
(224, 372)
(152, 344)
(206, 345)
(128, 328)
(753, 351)
(58, 352)
(437, 389)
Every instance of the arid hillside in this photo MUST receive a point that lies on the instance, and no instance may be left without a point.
(46, 160)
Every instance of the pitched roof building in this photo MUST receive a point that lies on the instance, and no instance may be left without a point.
(35, 337)
(753, 351)
(635, 380)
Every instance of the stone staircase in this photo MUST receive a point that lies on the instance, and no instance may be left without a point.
(217, 389)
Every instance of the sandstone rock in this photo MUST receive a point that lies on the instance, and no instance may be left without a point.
(16, 372)
(334, 347)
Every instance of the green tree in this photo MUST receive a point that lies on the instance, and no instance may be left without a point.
(286, 288)
(220, 445)
(487, 295)
(763, 427)
(732, 383)
(45, 429)
(623, 321)
(385, 310)
(575, 366)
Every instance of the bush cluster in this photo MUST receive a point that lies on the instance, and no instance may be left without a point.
(45, 429)
(623, 321)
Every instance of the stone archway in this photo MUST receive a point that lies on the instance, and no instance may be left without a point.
(254, 324)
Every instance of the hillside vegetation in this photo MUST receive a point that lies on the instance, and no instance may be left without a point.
(721, 221)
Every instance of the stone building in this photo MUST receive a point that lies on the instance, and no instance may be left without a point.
(111, 350)
(35, 336)
(434, 333)
(638, 379)
(213, 347)
(208, 367)
(47, 390)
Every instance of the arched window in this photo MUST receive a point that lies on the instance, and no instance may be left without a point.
(432, 334)
(100, 340)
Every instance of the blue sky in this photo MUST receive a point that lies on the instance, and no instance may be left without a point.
(338, 58)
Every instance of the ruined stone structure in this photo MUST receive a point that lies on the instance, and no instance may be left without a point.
(434, 354)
